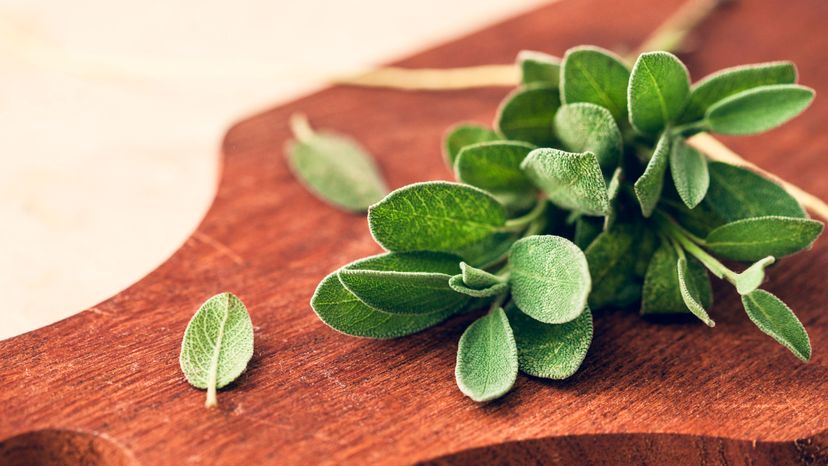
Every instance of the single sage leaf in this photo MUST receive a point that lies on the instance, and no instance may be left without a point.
(527, 113)
(464, 134)
(586, 127)
(435, 216)
(736, 193)
(658, 89)
(752, 277)
(217, 345)
(551, 351)
(549, 278)
(661, 293)
(495, 167)
(539, 68)
(572, 181)
(752, 239)
(758, 109)
(595, 75)
(613, 193)
(776, 319)
(615, 258)
(489, 251)
(649, 185)
(341, 310)
(694, 292)
(729, 81)
(405, 282)
(457, 284)
(487, 361)
(688, 168)
(478, 278)
(335, 168)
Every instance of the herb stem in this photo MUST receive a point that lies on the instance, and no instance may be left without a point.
(498, 302)
(300, 127)
(688, 242)
(517, 224)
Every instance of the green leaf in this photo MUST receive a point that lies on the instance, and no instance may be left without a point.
(736, 193)
(464, 134)
(218, 344)
(405, 282)
(495, 167)
(341, 310)
(694, 292)
(613, 193)
(487, 361)
(775, 318)
(661, 293)
(551, 351)
(649, 185)
(595, 75)
(538, 67)
(752, 239)
(457, 284)
(658, 89)
(435, 216)
(477, 278)
(586, 127)
(572, 181)
(527, 113)
(688, 168)
(614, 259)
(490, 250)
(334, 168)
(752, 277)
(758, 109)
(729, 81)
(550, 278)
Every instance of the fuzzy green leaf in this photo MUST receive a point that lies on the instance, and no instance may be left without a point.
(551, 351)
(688, 168)
(344, 312)
(658, 89)
(487, 361)
(464, 134)
(550, 278)
(661, 293)
(457, 284)
(752, 277)
(572, 181)
(649, 185)
(752, 239)
(595, 75)
(527, 113)
(538, 67)
(586, 127)
(729, 81)
(736, 193)
(615, 260)
(217, 345)
(495, 167)
(758, 109)
(693, 292)
(776, 319)
(435, 216)
(490, 250)
(478, 278)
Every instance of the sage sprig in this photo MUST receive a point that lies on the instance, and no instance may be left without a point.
(583, 195)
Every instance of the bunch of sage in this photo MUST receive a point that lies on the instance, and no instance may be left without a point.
(584, 195)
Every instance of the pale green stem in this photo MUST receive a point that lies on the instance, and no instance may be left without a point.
(517, 224)
(212, 373)
(300, 127)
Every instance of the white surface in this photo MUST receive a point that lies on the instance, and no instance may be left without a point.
(111, 113)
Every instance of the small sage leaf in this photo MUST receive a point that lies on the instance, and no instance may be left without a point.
(549, 278)
(538, 67)
(551, 351)
(658, 89)
(527, 113)
(572, 181)
(341, 310)
(462, 135)
(217, 345)
(586, 127)
(334, 168)
(736, 193)
(495, 167)
(661, 293)
(776, 319)
(649, 185)
(435, 216)
(457, 284)
(752, 239)
(688, 168)
(752, 277)
(758, 109)
(487, 361)
(595, 75)
(477, 278)
(694, 292)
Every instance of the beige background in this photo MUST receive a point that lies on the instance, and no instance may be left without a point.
(111, 113)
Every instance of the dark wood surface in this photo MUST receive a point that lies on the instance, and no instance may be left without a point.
(648, 392)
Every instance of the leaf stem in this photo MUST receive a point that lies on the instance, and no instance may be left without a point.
(518, 223)
(690, 243)
(300, 127)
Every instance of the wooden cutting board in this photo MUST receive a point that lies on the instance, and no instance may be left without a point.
(104, 386)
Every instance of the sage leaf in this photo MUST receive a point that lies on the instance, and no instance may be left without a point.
(405, 283)
(694, 292)
(549, 278)
(586, 127)
(649, 185)
(688, 168)
(457, 284)
(758, 109)
(570, 180)
(487, 362)
(489, 251)
(341, 310)
(729, 81)
(613, 192)
(538, 67)
(217, 345)
(477, 278)
(435, 216)
(752, 277)
(736, 193)
(617, 261)
(661, 293)
(776, 319)
(752, 239)
(464, 134)
(495, 167)
(595, 75)
(335, 168)
(527, 113)
(658, 89)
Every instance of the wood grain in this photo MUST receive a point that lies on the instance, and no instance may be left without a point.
(649, 392)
